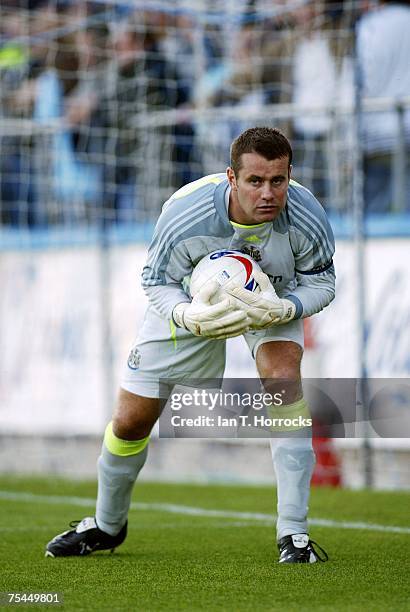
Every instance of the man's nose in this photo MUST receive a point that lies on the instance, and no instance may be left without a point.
(267, 191)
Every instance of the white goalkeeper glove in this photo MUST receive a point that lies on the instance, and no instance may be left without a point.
(224, 319)
(264, 308)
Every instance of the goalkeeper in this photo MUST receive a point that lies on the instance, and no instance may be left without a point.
(255, 208)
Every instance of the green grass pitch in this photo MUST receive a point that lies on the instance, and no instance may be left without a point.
(204, 561)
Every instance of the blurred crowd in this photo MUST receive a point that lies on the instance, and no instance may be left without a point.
(104, 108)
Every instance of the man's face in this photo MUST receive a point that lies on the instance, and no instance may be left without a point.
(259, 191)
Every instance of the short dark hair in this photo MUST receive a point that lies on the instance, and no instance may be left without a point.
(266, 141)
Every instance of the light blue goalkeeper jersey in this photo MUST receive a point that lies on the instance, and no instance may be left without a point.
(295, 250)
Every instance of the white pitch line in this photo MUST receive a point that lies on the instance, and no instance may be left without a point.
(195, 511)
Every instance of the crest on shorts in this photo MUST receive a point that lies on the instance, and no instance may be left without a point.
(252, 252)
(134, 359)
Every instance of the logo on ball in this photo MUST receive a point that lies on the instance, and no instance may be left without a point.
(225, 267)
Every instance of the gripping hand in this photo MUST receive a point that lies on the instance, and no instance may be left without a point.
(264, 308)
(225, 319)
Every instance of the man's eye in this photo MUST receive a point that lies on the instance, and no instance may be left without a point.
(255, 181)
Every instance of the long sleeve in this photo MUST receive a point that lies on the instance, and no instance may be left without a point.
(189, 213)
(313, 246)
(314, 291)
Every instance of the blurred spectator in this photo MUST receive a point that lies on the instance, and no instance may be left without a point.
(81, 105)
(73, 182)
(383, 47)
(91, 49)
(43, 168)
(322, 76)
(189, 48)
(237, 80)
(138, 80)
(16, 195)
(193, 49)
(237, 74)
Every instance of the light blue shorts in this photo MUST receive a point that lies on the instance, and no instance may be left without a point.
(164, 351)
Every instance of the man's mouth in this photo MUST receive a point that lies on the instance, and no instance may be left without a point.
(268, 208)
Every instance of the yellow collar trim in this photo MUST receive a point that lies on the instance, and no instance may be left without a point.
(246, 226)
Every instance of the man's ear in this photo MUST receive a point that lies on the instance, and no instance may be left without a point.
(290, 171)
(231, 177)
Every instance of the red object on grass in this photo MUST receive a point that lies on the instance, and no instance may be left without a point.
(328, 466)
(327, 471)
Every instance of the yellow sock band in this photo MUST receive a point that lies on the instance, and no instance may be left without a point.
(290, 417)
(123, 448)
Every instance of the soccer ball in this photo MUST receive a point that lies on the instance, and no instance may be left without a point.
(226, 267)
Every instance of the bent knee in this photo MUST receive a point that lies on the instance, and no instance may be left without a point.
(280, 371)
(279, 360)
(134, 416)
